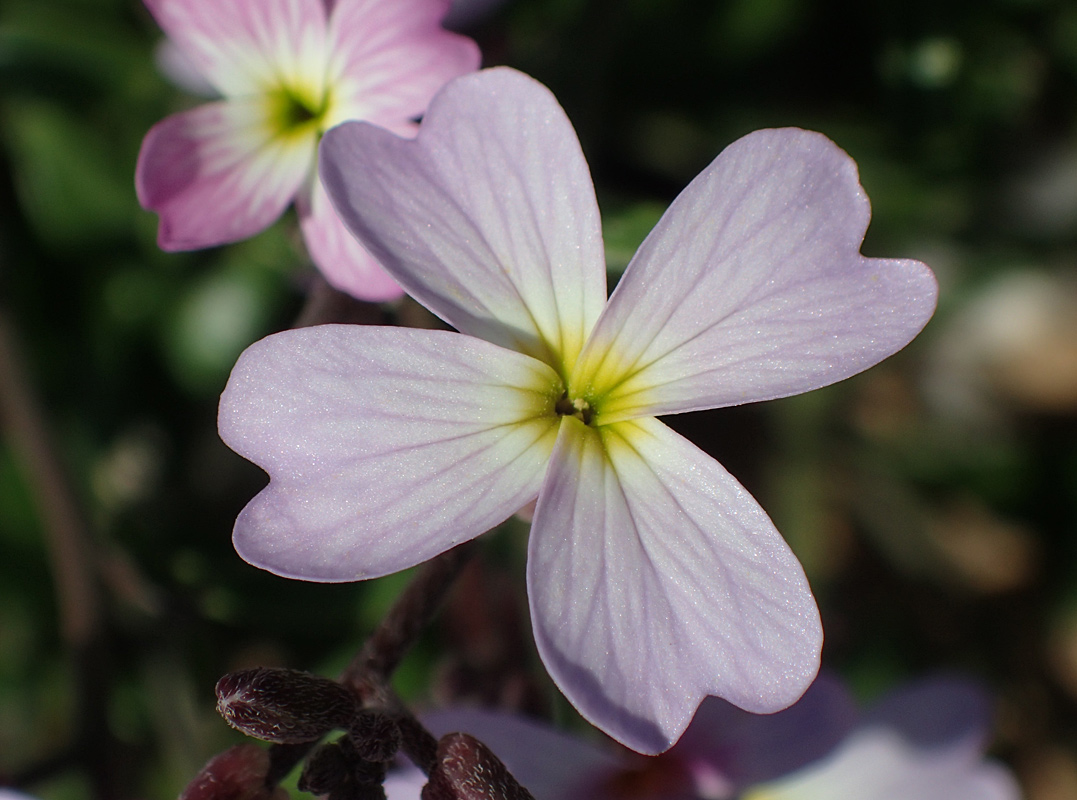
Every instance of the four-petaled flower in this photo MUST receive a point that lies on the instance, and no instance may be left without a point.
(288, 70)
(654, 578)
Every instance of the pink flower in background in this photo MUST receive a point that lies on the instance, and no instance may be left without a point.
(924, 741)
(654, 578)
(288, 70)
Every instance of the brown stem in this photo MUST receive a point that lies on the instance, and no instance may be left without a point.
(65, 530)
(407, 618)
(324, 304)
(369, 672)
(73, 562)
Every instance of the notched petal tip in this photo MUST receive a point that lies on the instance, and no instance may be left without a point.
(385, 446)
(656, 580)
(755, 287)
(488, 217)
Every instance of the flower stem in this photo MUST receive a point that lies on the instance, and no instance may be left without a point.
(369, 672)
(407, 618)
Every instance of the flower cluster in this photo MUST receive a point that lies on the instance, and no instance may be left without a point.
(654, 578)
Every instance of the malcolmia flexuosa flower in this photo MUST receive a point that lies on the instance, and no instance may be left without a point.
(287, 71)
(923, 741)
(654, 578)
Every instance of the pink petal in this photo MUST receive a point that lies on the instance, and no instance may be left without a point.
(176, 65)
(752, 287)
(384, 446)
(655, 580)
(488, 218)
(389, 58)
(216, 174)
(244, 46)
(338, 254)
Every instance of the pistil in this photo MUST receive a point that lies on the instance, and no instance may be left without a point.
(574, 407)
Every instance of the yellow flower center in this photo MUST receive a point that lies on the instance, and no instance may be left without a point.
(297, 112)
(609, 386)
(574, 407)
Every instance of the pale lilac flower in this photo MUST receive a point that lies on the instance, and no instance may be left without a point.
(287, 70)
(922, 742)
(654, 578)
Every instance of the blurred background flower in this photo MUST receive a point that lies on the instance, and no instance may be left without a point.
(924, 740)
(932, 500)
(285, 74)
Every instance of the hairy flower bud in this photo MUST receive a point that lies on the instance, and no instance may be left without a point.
(468, 770)
(238, 773)
(338, 772)
(283, 705)
(376, 736)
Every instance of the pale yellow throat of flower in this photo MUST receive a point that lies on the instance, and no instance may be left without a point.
(615, 388)
(298, 112)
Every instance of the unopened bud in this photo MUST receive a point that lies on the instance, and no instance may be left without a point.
(376, 736)
(336, 771)
(238, 773)
(283, 705)
(467, 769)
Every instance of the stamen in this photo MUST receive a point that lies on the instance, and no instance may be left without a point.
(575, 407)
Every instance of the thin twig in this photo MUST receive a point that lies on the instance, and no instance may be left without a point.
(407, 618)
(70, 552)
(369, 672)
(65, 529)
(324, 304)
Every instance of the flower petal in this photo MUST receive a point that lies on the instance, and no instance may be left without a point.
(338, 254)
(745, 749)
(384, 446)
(245, 47)
(937, 711)
(216, 174)
(488, 218)
(389, 59)
(404, 782)
(175, 64)
(753, 287)
(655, 579)
(877, 764)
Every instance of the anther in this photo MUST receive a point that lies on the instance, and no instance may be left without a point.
(575, 407)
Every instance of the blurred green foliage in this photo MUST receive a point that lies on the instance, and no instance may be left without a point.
(936, 533)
